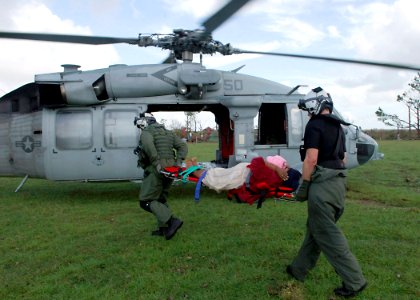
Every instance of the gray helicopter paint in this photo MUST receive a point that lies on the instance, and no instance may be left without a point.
(137, 74)
(22, 150)
(39, 133)
(5, 151)
(97, 162)
(241, 84)
(161, 75)
(120, 83)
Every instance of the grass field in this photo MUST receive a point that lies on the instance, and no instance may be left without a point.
(91, 240)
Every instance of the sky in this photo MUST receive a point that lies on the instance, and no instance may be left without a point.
(383, 30)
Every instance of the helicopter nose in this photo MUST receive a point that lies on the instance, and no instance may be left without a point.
(367, 149)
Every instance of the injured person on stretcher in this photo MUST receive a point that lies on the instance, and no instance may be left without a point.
(248, 182)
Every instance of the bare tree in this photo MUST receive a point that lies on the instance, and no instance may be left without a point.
(415, 101)
(175, 125)
(411, 99)
(390, 120)
(191, 122)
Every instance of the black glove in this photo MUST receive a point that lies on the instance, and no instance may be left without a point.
(302, 191)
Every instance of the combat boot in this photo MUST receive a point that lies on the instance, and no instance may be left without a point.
(346, 293)
(173, 225)
(159, 232)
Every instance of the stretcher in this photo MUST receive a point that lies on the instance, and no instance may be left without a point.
(260, 193)
(264, 190)
(181, 173)
(186, 175)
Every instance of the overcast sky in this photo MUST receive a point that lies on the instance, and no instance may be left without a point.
(385, 30)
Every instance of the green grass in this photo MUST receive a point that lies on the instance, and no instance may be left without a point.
(394, 181)
(68, 240)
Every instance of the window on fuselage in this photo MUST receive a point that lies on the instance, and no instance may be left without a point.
(73, 130)
(119, 129)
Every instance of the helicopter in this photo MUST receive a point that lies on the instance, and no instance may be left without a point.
(78, 125)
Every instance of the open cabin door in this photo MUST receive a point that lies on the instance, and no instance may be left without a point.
(279, 130)
(272, 124)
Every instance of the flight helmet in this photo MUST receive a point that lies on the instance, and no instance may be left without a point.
(315, 101)
(143, 121)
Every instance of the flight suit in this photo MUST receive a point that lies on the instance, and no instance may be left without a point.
(326, 198)
(162, 148)
(325, 206)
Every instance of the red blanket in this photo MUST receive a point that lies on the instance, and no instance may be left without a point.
(263, 183)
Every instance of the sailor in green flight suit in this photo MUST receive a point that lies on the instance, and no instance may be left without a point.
(159, 148)
(324, 185)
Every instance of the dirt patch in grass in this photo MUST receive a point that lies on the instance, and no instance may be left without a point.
(287, 291)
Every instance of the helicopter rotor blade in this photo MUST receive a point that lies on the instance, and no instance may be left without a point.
(199, 40)
(223, 14)
(326, 58)
(64, 38)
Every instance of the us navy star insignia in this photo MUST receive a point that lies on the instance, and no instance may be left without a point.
(28, 144)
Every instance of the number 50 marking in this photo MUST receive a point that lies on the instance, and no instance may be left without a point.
(231, 85)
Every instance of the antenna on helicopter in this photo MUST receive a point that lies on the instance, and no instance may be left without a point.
(295, 89)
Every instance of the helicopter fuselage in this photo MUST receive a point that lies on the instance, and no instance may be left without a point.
(78, 125)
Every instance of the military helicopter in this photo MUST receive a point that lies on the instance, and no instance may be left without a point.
(78, 125)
